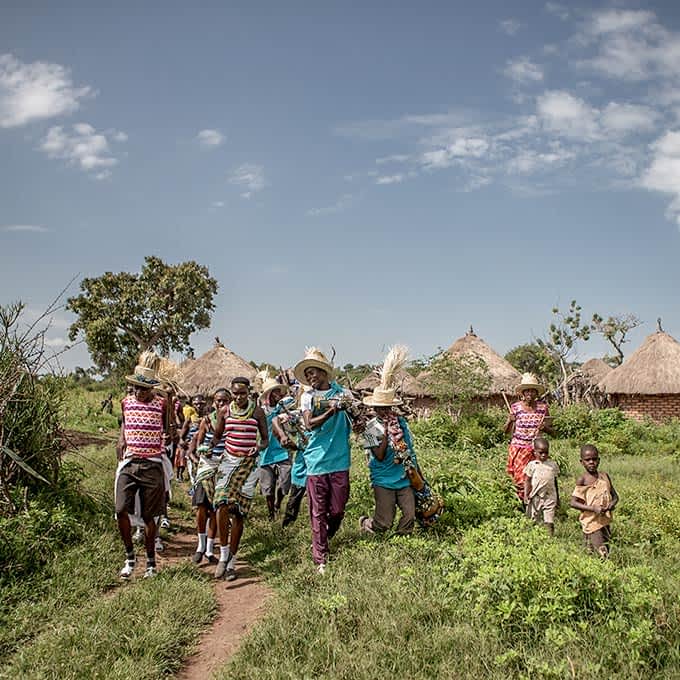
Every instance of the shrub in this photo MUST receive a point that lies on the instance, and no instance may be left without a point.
(512, 577)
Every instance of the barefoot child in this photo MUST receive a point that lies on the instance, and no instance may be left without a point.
(541, 495)
(595, 497)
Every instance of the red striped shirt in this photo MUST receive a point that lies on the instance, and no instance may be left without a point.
(240, 436)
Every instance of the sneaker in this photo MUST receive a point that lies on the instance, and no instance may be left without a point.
(150, 572)
(138, 536)
(127, 569)
(197, 557)
(231, 574)
(221, 569)
(158, 545)
(321, 569)
(165, 523)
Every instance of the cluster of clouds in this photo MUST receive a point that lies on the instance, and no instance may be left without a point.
(35, 92)
(620, 115)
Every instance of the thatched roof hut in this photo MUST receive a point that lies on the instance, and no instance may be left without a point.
(504, 377)
(594, 370)
(647, 384)
(408, 385)
(216, 368)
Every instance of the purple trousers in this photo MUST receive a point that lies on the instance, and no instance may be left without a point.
(328, 496)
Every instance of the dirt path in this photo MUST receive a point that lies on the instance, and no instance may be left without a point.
(240, 604)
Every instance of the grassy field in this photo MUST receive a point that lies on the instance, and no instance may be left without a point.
(482, 595)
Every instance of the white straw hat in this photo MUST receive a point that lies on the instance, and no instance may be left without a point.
(529, 382)
(316, 358)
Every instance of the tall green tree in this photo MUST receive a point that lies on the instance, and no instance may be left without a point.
(531, 357)
(122, 314)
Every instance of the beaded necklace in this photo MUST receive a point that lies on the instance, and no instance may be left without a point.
(242, 414)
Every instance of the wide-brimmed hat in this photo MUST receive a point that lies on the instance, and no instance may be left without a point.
(382, 397)
(313, 357)
(143, 377)
(529, 382)
(269, 384)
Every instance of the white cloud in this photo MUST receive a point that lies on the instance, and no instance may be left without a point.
(218, 204)
(510, 26)
(250, 177)
(35, 91)
(663, 173)
(83, 147)
(523, 70)
(472, 147)
(624, 118)
(210, 138)
(475, 183)
(394, 158)
(563, 113)
(119, 136)
(530, 161)
(558, 10)
(390, 179)
(25, 228)
(344, 201)
(618, 20)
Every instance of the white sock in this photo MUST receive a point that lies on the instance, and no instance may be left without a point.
(232, 562)
(210, 546)
(201, 543)
(224, 553)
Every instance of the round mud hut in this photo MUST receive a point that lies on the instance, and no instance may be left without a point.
(647, 384)
(214, 369)
(504, 377)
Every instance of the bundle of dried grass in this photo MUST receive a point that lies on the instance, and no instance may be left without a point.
(392, 366)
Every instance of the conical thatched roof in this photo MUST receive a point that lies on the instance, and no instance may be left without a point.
(408, 385)
(504, 377)
(594, 370)
(654, 368)
(216, 368)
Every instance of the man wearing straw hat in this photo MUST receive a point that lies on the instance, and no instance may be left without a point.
(140, 451)
(387, 445)
(274, 460)
(327, 454)
(528, 417)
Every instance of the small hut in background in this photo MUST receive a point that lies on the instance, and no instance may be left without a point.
(583, 384)
(411, 390)
(216, 368)
(504, 377)
(647, 384)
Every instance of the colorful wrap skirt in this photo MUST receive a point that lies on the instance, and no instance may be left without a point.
(518, 458)
(235, 483)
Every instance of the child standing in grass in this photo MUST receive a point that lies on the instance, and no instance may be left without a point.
(541, 495)
(595, 497)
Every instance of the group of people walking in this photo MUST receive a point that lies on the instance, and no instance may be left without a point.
(295, 441)
(292, 439)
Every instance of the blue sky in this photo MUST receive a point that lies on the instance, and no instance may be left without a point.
(354, 174)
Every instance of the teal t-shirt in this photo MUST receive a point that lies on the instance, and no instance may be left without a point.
(388, 474)
(274, 453)
(328, 449)
(298, 472)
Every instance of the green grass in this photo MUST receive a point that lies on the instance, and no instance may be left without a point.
(393, 606)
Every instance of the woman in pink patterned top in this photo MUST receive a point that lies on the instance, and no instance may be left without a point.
(527, 419)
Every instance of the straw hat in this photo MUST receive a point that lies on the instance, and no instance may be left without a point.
(382, 397)
(529, 382)
(145, 374)
(385, 394)
(313, 357)
(269, 384)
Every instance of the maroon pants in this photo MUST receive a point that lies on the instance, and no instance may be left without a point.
(328, 496)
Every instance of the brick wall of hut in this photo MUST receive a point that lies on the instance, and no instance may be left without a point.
(658, 407)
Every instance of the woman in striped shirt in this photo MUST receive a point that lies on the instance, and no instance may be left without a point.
(244, 426)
